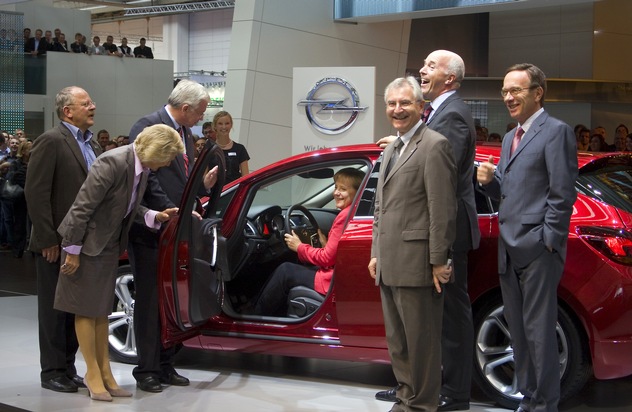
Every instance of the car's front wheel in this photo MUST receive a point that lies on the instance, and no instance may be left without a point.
(122, 340)
(494, 362)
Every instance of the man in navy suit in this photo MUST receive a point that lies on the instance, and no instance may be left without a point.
(535, 183)
(185, 108)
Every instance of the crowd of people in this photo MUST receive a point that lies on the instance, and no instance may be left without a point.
(45, 41)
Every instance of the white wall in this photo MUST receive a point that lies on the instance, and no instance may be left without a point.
(270, 38)
(124, 89)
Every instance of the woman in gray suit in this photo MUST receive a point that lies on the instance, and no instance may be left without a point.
(94, 234)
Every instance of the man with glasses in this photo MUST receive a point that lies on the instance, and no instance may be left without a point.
(59, 163)
(535, 178)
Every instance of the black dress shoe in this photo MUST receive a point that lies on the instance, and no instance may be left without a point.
(447, 403)
(387, 396)
(78, 380)
(60, 384)
(521, 409)
(175, 379)
(149, 384)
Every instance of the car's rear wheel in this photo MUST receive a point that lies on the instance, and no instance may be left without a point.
(122, 340)
(494, 362)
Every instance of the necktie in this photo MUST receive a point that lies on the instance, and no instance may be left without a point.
(426, 114)
(184, 155)
(394, 156)
(516, 140)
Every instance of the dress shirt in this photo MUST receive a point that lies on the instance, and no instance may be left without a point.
(527, 124)
(84, 143)
(408, 135)
(436, 103)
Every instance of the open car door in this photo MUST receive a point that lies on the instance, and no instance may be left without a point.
(192, 255)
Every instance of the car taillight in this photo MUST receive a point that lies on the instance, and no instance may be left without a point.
(616, 244)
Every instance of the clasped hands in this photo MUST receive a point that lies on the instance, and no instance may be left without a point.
(440, 273)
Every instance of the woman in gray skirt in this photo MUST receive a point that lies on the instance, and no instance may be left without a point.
(94, 234)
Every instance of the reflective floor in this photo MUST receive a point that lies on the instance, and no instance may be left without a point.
(219, 381)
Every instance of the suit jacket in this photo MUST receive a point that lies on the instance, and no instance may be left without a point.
(42, 48)
(98, 215)
(55, 174)
(453, 119)
(536, 188)
(415, 211)
(166, 186)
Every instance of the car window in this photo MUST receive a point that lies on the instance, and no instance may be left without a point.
(311, 187)
(611, 184)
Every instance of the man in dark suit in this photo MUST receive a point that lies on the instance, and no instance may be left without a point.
(186, 106)
(448, 114)
(36, 46)
(143, 51)
(535, 182)
(59, 163)
(413, 231)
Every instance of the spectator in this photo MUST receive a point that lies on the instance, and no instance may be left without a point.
(200, 142)
(78, 46)
(110, 48)
(578, 127)
(96, 48)
(37, 45)
(103, 137)
(27, 34)
(110, 145)
(495, 138)
(583, 139)
(628, 143)
(124, 49)
(597, 144)
(208, 131)
(620, 134)
(143, 51)
(60, 44)
(17, 176)
(480, 134)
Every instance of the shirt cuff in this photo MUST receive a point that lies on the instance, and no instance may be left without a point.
(150, 220)
(72, 249)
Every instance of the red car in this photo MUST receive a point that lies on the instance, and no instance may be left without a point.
(210, 269)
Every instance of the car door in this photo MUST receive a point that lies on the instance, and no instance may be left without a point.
(192, 255)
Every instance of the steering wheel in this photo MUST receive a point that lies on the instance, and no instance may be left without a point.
(306, 234)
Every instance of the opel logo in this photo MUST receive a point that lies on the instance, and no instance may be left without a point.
(332, 105)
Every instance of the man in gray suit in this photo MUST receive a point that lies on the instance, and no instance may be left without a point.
(448, 114)
(59, 163)
(413, 231)
(535, 182)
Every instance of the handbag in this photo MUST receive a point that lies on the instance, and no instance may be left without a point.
(11, 191)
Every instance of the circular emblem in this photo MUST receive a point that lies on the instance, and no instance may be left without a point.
(332, 105)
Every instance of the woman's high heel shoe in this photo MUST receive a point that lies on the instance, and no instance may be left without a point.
(118, 392)
(101, 396)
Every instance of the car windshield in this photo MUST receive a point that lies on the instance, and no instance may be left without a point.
(608, 181)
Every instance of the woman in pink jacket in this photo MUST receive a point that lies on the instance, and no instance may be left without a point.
(273, 299)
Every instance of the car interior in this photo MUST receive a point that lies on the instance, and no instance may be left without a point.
(299, 200)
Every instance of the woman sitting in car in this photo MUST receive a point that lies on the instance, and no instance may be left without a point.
(273, 299)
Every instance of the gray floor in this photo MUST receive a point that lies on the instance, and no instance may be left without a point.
(219, 381)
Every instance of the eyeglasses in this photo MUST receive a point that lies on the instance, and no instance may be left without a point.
(514, 91)
(84, 104)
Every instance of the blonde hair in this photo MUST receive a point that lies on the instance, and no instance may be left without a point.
(158, 143)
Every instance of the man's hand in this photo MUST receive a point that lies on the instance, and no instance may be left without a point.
(71, 264)
(441, 274)
(292, 241)
(373, 267)
(383, 142)
(485, 172)
(210, 178)
(51, 254)
(166, 214)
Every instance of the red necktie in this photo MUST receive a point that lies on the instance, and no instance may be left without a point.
(426, 114)
(186, 158)
(516, 140)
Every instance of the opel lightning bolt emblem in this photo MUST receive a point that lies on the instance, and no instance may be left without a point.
(332, 106)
